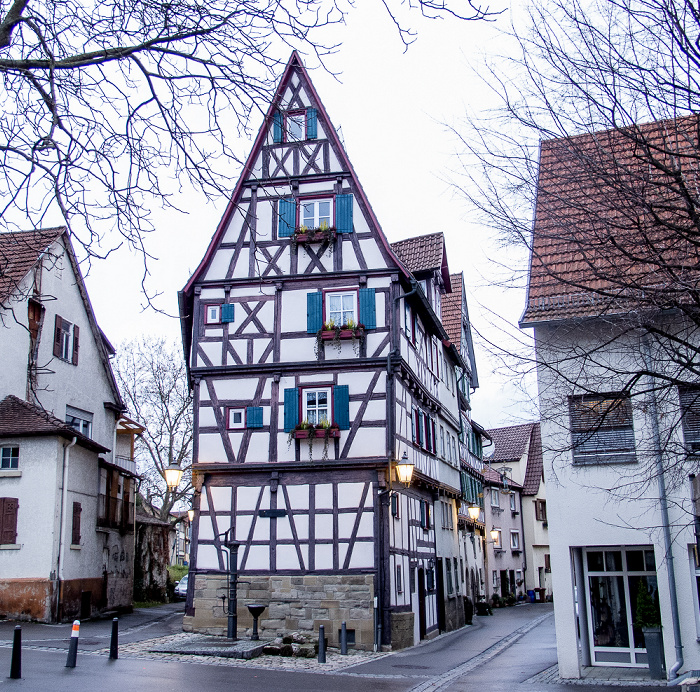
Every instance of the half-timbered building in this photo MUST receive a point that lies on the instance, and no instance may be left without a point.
(318, 359)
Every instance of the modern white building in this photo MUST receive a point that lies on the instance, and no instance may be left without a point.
(319, 361)
(619, 434)
(66, 451)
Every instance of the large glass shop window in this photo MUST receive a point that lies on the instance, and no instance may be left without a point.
(615, 578)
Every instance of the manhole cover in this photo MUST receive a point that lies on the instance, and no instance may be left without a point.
(406, 665)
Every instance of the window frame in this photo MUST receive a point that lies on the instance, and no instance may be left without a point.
(328, 292)
(315, 388)
(495, 493)
(399, 579)
(314, 199)
(541, 510)
(513, 503)
(236, 409)
(596, 434)
(289, 115)
(498, 541)
(515, 539)
(11, 456)
(209, 306)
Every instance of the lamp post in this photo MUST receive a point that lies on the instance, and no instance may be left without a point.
(404, 470)
(173, 476)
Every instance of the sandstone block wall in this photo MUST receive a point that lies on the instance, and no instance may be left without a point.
(294, 604)
(401, 630)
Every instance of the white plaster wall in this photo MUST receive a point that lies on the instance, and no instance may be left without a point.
(14, 341)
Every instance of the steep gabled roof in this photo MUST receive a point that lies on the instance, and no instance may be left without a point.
(424, 253)
(511, 443)
(21, 419)
(19, 252)
(451, 307)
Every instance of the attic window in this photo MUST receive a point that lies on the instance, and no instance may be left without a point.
(296, 127)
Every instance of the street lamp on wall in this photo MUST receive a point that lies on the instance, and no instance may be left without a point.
(190, 515)
(404, 470)
(474, 512)
(494, 534)
(173, 476)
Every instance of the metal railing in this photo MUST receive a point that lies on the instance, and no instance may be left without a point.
(125, 463)
(115, 512)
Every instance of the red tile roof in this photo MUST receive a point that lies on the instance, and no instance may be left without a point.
(21, 419)
(421, 253)
(612, 229)
(451, 307)
(492, 477)
(19, 252)
(511, 443)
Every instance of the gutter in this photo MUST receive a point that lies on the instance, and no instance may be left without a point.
(64, 509)
(663, 500)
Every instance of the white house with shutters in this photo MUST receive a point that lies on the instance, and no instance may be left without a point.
(318, 359)
(66, 451)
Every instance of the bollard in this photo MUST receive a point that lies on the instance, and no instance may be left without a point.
(16, 663)
(114, 642)
(343, 639)
(321, 644)
(73, 646)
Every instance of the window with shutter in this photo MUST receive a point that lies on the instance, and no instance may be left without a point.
(228, 311)
(277, 120)
(601, 429)
(291, 409)
(314, 312)
(343, 213)
(254, 417)
(76, 344)
(66, 340)
(368, 310)
(9, 507)
(341, 406)
(75, 535)
(287, 218)
(235, 419)
(311, 123)
(420, 429)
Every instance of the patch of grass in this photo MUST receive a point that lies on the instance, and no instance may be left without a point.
(177, 572)
(147, 604)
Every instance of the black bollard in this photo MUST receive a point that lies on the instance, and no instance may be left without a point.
(73, 646)
(114, 642)
(343, 639)
(16, 663)
(321, 644)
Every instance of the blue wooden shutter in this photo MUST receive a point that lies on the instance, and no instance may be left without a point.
(311, 130)
(420, 428)
(343, 213)
(254, 417)
(227, 312)
(291, 409)
(341, 406)
(414, 419)
(368, 310)
(277, 127)
(287, 218)
(314, 312)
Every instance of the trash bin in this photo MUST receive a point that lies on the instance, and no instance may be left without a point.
(531, 596)
(539, 595)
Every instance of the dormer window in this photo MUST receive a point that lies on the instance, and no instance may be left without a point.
(296, 126)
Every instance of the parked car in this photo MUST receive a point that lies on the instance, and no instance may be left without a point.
(181, 588)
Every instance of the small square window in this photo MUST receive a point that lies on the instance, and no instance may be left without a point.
(212, 314)
(9, 457)
(236, 418)
(79, 420)
(316, 405)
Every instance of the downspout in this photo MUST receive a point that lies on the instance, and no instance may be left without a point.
(668, 545)
(378, 631)
(64, 510)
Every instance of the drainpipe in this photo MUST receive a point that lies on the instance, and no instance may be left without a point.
(64, 510)
(668, 545)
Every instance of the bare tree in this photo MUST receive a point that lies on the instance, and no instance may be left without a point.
(152, 377)
(597, 130)
(103, 102)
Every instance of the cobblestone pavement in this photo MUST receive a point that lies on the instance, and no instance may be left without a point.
(551, 676)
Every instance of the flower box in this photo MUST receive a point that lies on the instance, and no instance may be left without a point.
(330, 334)
(315, 236)
(306, 433)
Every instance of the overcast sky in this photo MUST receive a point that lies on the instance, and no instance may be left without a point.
(392, 109)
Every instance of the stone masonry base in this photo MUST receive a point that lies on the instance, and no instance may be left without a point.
(294, 604)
